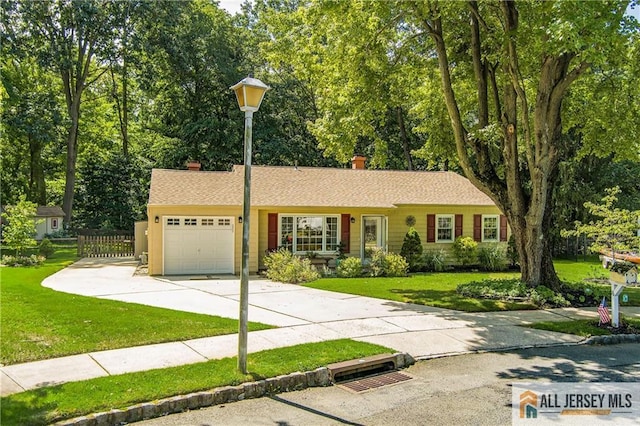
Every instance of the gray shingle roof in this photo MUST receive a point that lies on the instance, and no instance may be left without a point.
(49, 211)
(313, 186)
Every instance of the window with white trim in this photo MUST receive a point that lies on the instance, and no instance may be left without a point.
(490, 228)
(307, 233)
(444, 228)
(191, 222)
(173, 221)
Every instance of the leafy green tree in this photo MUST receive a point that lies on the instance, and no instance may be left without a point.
(65, 36)
(504, 71)
(354, 78)
(616, 229)
(412, 249)
(19, 232)
(584, 179)
(31, 128)
(112, 191)
(189, 56)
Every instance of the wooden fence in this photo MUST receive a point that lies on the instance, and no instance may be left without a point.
(105, 245)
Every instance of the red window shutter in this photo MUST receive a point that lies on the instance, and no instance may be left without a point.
(503, 228)
(458, 225)
(272, 233)
(345, 232)
(477, 227)
(431, 228)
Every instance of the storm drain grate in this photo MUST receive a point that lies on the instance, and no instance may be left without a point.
(374, 382)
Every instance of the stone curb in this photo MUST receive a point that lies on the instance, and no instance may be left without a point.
(295, 381)
(612, 339)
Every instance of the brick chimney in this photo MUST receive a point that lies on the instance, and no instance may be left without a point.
(194, 166)
(357, 162)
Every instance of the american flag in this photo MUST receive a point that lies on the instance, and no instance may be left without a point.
(604, 312)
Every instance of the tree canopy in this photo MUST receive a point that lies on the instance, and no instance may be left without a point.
(535, 102)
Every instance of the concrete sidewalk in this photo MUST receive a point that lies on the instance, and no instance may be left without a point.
(304, 315)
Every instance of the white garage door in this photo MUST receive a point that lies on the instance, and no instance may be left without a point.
(198, 245)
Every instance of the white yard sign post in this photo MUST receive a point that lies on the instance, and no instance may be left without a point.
(619, 280)
(616, 290)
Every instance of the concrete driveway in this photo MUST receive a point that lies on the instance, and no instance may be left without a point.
(313, 315)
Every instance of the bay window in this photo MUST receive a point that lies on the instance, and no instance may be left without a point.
(306, 233)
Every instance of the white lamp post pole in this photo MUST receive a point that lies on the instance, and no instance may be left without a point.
(244, 275)
(249, 93)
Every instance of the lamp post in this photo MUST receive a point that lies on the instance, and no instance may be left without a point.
(249, 93)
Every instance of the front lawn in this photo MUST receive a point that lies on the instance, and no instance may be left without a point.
(46, 405)
(439, 289)
(40, 323)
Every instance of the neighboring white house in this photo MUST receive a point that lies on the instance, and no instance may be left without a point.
(48, 220)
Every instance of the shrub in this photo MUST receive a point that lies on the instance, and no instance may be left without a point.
(464, 249)
(492, 258)
(387, 264)
(544, 296)
(378, 262)
(396, 265)
(62, 233)
(351, 267)
(284, 266)
(569, 294)
(46, 248)
(412, 249)
(32, 260)
(434, 260)
(503, 289)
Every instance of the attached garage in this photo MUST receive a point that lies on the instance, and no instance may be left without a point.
(198, 245)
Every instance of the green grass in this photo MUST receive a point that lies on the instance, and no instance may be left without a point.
(47, 405)
(584, 328)
(576, 271)
(439, 289)
(40, 323)
(435, 289)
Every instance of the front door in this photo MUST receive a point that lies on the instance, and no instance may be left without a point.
(373, 234)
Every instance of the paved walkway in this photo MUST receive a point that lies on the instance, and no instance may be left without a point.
(302, 314)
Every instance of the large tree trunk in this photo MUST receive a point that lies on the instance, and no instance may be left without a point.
(74, 81)
(72, 156)
(404, 138)
(521, 181)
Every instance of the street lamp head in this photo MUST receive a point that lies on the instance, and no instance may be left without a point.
(249, 93)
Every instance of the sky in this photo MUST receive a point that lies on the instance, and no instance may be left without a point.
(231, 6)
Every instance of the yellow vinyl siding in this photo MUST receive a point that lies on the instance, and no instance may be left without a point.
(396, 227)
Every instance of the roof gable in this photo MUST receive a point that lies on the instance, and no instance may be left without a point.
(49, 211)
(314, 186)
(45, 211)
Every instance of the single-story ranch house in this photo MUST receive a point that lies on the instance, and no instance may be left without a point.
(195, 216)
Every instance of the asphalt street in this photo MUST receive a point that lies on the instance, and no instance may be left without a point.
(470, 389)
